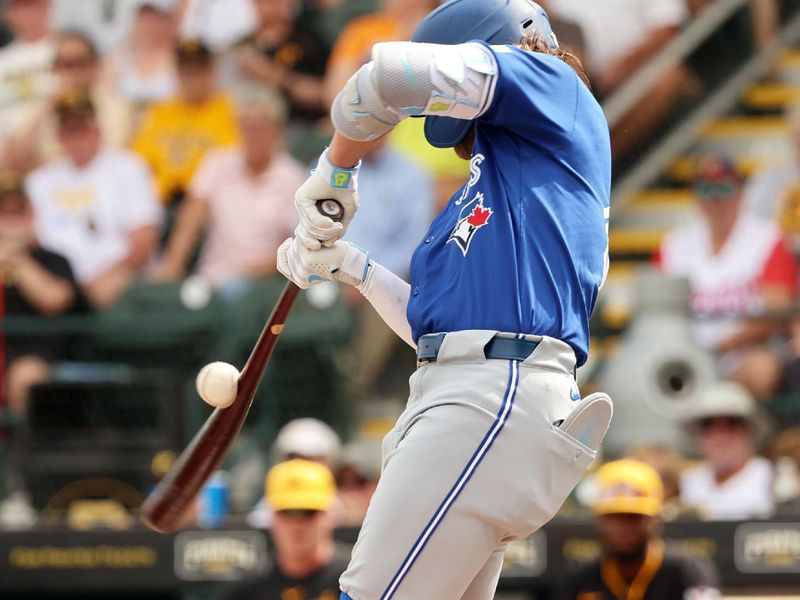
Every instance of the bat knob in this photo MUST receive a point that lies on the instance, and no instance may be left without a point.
(331, 208)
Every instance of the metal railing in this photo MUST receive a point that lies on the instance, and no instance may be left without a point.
(694, 34)
(721, 101)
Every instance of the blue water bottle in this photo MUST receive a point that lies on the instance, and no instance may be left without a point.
(214, 501)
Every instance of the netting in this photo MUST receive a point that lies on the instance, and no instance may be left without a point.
(121, 390)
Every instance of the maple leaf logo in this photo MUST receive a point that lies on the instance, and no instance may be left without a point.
(479, 216)
(466, 227)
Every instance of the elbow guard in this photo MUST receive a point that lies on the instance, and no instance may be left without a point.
(411, 79)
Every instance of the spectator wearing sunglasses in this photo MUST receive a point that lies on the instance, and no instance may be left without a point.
(307, 562)
(731, 482)
(76, 69)
(739, 268)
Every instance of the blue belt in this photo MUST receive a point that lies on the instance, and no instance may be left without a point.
(498, 347)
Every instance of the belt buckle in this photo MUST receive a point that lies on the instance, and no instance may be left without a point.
(429, 345)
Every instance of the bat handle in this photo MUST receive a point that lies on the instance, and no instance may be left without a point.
(331, 208)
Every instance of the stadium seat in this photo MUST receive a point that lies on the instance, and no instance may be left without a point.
(151, 326)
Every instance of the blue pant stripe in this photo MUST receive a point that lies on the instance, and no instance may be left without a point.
(463, 478)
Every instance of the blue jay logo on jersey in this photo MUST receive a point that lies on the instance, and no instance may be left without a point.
(470, 222)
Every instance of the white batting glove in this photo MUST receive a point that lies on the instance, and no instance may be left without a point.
(326, 181)
(342, 262)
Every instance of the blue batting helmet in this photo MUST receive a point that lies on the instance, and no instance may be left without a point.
(493, 21)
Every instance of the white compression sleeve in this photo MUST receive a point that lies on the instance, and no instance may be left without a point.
(389, 295)
(411, 79)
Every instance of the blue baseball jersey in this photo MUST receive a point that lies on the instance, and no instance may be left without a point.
(522, 247)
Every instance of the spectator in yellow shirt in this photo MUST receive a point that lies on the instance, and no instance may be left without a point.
(176, 134)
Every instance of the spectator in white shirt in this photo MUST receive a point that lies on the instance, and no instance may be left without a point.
(95, 206)
(242, 199)
(731, 482)
(25, 77)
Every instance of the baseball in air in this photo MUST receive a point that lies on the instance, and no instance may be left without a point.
(217, 384)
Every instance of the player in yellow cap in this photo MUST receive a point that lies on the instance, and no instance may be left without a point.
(307, 561)
(635, 563)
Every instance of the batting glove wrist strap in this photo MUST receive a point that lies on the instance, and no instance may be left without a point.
(337, 177)
(341, 262)
(326, 182)
(354, 267)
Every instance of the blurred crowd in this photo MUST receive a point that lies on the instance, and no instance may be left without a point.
(149, 140)
(143, 141)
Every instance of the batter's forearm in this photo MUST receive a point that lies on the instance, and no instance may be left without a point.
(345, 153)
(389, 295)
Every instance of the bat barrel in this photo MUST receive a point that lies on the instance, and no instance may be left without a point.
(165, 507)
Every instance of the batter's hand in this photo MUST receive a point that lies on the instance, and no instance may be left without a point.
(342, 262)
(326, 181)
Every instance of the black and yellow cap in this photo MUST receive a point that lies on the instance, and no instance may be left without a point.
(192, 50)
(11, 183)
(74, 102)
(628, 486)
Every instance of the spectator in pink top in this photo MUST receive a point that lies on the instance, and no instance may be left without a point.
(242, 198)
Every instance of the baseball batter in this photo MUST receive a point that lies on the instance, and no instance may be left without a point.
(495, 434)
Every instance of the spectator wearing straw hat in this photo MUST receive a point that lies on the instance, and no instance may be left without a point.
(635, 561)
(307, 560)
(731, 482)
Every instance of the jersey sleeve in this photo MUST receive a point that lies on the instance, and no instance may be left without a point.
(657, 261)
(535, 94)
(781, 268)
